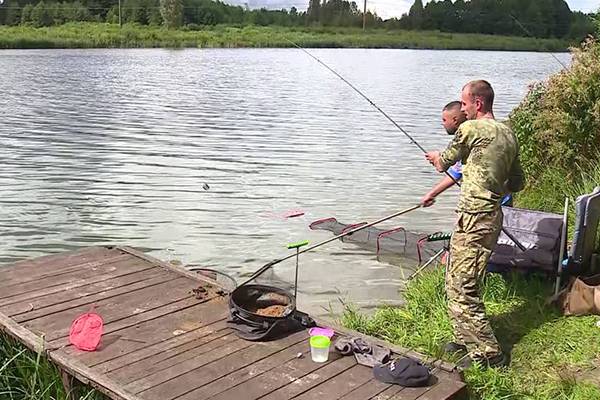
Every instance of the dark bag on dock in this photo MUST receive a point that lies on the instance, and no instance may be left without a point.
(262, 313)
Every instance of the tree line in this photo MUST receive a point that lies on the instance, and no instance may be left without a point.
(539, 18)
(176, 13)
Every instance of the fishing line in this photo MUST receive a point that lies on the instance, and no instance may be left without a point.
(510, 236)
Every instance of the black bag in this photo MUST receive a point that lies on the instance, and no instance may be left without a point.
(249, 325)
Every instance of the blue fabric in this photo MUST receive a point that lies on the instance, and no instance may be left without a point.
(456, 172)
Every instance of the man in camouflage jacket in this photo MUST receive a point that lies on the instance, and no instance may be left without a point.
(489, 153)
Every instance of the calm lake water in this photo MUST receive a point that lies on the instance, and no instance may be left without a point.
(116, 146)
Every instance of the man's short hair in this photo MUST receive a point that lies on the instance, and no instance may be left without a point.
(452, 106)
(483, 90)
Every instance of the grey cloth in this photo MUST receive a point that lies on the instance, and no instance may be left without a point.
(365, 353)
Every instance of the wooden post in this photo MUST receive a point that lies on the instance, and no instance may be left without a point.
(365, 16)
(120, 23)
(68, 384)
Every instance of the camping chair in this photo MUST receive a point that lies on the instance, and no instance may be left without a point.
(582, 260)
(542, 235)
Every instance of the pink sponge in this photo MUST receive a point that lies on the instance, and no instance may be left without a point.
(86, 331)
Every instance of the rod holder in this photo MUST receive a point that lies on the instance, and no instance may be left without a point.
(297, 246)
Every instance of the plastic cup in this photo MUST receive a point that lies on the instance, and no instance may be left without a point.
(319, 348)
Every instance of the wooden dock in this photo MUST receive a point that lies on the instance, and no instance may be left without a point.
(162, 342)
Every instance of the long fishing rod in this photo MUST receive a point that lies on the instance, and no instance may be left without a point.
(510, 236)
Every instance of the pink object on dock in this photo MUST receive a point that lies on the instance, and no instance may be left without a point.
(321, 332)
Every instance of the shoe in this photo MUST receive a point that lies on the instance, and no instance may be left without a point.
(497, 361)
(464, 363)
(455, 349)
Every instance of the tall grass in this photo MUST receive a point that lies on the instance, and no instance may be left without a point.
(558, 126)
(91, 35)
(25, 375)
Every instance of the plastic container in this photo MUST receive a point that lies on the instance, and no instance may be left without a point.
(319, 348)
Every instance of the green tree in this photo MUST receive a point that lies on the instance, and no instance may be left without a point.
(172, 13)
(534, 20)
(134, 11)
(581, 26)
(40, 15)
(314, 11)
(26, 14)
(561, 21)
(113, 15)
(154, 16)
(12, 13)
(415, 15)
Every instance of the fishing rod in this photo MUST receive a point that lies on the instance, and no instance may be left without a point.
(350, 232)
(413, 141)
(531, 35)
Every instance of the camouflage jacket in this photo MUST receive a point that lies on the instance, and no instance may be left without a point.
(489, 152)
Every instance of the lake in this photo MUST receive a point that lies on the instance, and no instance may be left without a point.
(196, 155)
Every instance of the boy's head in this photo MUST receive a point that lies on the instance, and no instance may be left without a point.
(452, 117)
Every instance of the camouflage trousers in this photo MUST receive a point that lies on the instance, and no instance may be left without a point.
(472, 242)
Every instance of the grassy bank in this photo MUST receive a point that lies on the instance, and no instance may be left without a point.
(553, 357)
(25, 375)
(101, 35)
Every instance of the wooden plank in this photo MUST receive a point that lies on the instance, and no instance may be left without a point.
(308, 381)
(413, 393)
(246, 373)
(447, 389)
(87, 294)
(187, 376)
(368, 390)
(38, 268)
(339, 385)
(112, 309)
(204, 355)
(180, 270)
(157, 335)
(268, 382)
(138, 318)
(120, 369)
(32, 341)
(89, 377)
(67, 286)
(81, 276)
(157, 365)
(388, 393)
(51, 273)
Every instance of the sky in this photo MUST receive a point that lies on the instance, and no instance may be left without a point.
(387, 8)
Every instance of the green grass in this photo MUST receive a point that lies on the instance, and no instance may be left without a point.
(100, 35)
(25, 375)
(552, 355)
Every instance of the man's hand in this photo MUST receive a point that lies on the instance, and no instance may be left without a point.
(434, 159)
(428, 200)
